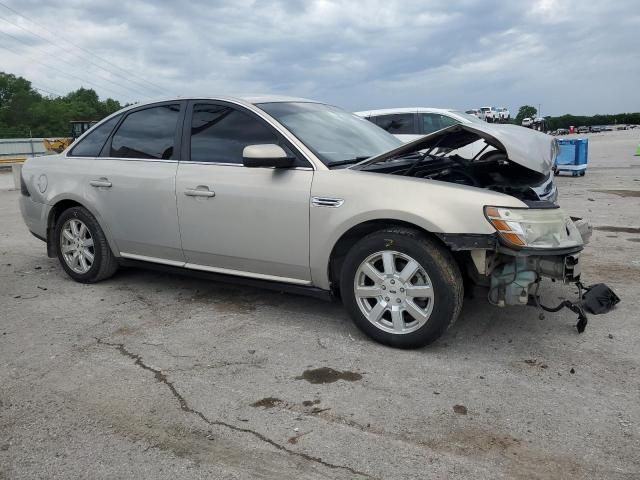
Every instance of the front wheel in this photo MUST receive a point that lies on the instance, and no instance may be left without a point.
(401, 288)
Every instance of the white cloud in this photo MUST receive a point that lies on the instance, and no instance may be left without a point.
(563, 54)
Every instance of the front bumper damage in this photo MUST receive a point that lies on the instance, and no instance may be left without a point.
(513, 277)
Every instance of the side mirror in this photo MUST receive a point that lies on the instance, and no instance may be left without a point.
(266, 155)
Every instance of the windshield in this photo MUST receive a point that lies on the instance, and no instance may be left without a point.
(466, 116)
(335, 136)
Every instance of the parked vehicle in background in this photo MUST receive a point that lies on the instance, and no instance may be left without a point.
(582, 129)
(413, 122)
(537, 123)
(596, 129)
(504, 115)
(303, 196)
(475, 112)
(488, 114)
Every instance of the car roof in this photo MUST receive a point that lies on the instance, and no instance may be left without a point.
(390, 111)
(248, 99)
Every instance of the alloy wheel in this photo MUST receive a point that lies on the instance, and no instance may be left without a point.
(76, 245)
(394, 292)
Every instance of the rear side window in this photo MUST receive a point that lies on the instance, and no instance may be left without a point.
(91, 145)
(447, 121)
(430, 122)
(220, 133)
(148, 133)
(397, 124)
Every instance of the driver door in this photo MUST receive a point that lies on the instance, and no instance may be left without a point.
(237, 220)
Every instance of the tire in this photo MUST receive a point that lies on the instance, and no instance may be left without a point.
(74, 243)
(398, 326)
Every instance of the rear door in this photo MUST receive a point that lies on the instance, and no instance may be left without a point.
(131, 184)
(237, 220)
(402, 125)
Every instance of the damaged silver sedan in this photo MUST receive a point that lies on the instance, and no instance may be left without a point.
(301, 196)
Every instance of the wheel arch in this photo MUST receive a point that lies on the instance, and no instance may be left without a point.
(62, 204)
(351, 236)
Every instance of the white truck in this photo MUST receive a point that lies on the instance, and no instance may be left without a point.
(488, 114)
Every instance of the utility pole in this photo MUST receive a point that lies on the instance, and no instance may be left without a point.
(540, 110)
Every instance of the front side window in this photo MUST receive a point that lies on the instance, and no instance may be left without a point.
(148, 133)
(401, 124)
(91, 145)
(219, 133)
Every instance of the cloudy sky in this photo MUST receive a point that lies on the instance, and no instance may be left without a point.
(576, 57)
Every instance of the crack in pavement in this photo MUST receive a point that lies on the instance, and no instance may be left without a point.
(184, 406)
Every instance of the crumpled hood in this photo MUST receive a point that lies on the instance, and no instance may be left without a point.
(526, 147)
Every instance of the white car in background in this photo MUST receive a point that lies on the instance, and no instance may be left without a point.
(488, 114)
(504, 115)
(409, 124)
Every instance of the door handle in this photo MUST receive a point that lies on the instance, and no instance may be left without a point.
(101, 182)
(200, 191)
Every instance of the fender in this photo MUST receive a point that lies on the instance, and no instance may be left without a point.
(51, 205)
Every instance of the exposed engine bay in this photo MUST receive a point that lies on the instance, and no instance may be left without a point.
(492, 171)
(501, 158)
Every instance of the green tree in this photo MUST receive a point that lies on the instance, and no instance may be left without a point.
(24, 112)
(526, 111)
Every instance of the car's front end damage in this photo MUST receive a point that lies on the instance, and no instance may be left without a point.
(512, 263)
(529, 243)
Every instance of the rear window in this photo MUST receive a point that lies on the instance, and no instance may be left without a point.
(91, 145)
(148, 133)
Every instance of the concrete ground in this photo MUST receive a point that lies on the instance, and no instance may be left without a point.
(148, 375)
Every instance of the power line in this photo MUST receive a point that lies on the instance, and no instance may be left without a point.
(75, 66)
(64, 73)
(46, 91)
(128, 73)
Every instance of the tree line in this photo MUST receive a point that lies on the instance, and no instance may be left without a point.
(24, 112)
(567, 120)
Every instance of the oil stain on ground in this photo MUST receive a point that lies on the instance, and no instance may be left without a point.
(268, 402)
(328, 375)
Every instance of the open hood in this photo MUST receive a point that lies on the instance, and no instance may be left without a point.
(528, 148)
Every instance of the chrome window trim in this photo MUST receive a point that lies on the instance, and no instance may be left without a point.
(129, 159)
(228, 164)
(314, 161)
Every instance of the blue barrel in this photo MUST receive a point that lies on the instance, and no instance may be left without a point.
(573, 156)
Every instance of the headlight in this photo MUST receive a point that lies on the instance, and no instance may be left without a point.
(534, 228)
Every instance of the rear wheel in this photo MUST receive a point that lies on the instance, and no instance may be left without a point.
(82, 247)
(401, 288)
